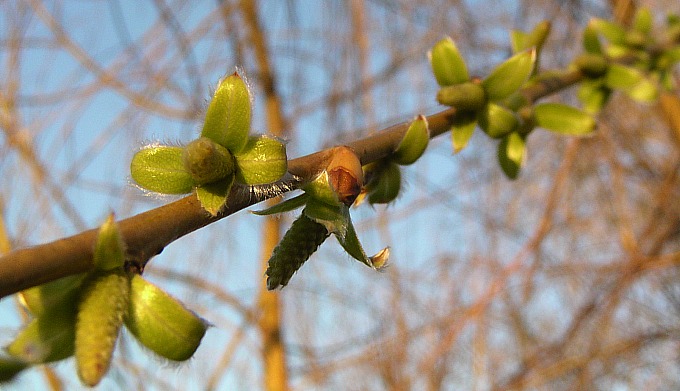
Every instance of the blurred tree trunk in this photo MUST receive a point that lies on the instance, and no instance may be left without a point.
(273, 349)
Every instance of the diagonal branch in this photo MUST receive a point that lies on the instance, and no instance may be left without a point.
(147, 234)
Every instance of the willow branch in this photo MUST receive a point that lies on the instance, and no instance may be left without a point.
(148, 233)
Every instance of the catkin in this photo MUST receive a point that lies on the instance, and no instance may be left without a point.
(298, 244)
(102, 307)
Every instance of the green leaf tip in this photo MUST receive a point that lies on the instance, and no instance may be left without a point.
(448, 65)
(227, 120)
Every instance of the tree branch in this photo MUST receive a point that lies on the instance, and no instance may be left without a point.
(147, 234)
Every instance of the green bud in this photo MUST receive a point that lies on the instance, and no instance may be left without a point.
(414, 142)
(448, 65)
(592, 65)
(468, 96)
(563, 119)
(509, 76)
(161, 323)
(263, 160)
(227, 121)
(161, 169)
(109, 250)
(511, 154)
(207, 161)
(385, 182)
(497, 121)
(341, 181)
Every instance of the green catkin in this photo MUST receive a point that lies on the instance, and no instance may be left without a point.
(102, 307)
(298, 244)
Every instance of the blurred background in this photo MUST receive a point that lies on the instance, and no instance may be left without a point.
(567, 278)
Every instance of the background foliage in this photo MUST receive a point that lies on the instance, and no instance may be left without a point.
(563, 279)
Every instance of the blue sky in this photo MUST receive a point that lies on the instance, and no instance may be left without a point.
(85, 137)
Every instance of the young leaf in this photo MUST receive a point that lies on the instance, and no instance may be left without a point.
(414, 142)
(467, 96)
(350, 242)
(461, 131)
(299, 243)
(333, 218)
(213, 196)
(509, 76)
(227, 121)
(448, 65)
(161, 323)
(109, 249)
(563, 119)
(263, 160)
(285, 206)
(511, 154)
(161, 169)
